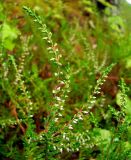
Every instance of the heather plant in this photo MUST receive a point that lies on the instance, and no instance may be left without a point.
(38, 118)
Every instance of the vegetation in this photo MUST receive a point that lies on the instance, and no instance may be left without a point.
(65, 80)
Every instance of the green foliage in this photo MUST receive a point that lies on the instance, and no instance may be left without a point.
(66, 108)
(89, 6)
(105, 3)
(9, 34)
